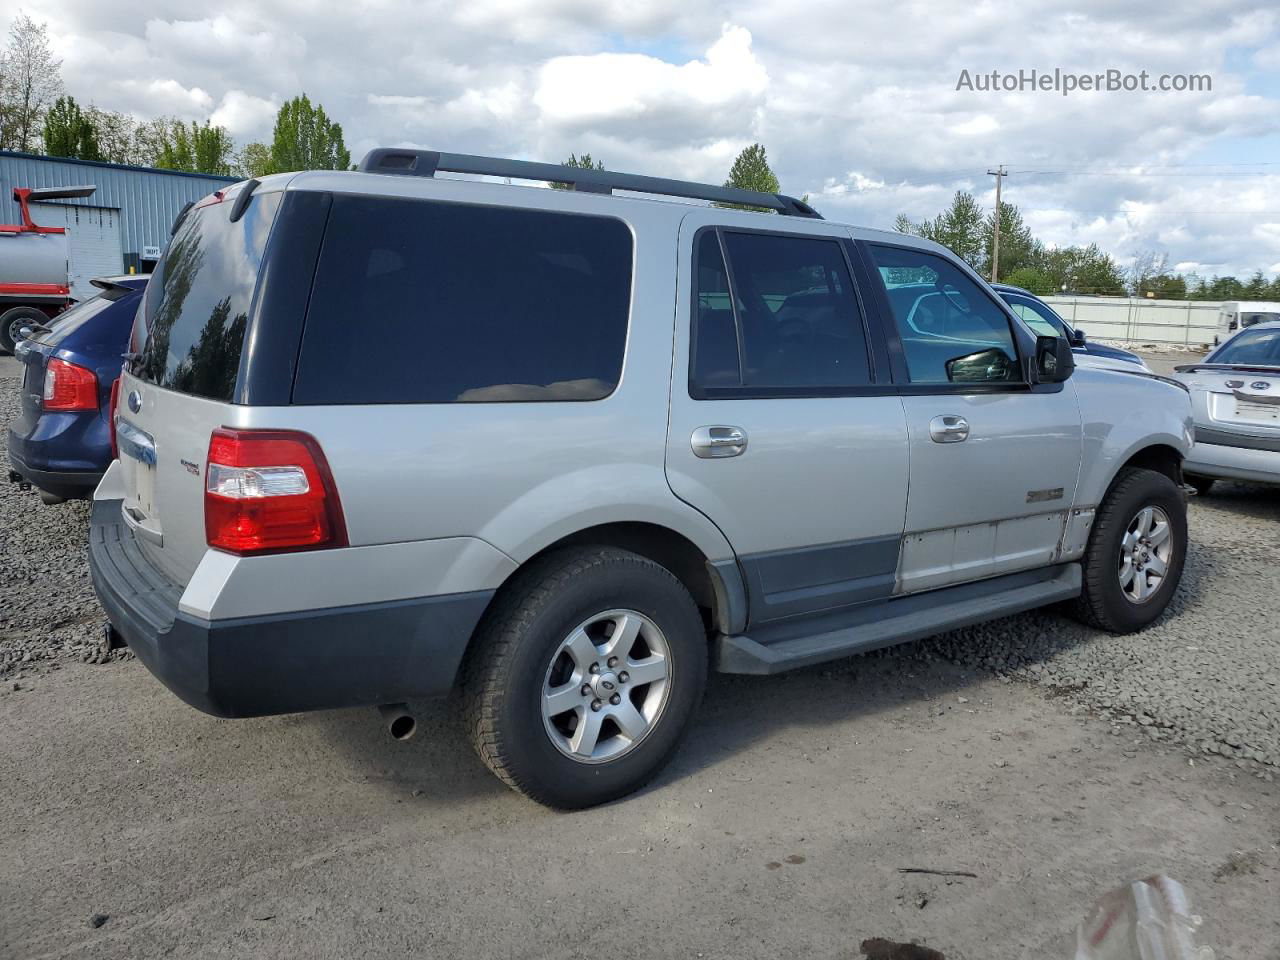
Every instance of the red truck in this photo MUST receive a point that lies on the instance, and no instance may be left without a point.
(34, 265)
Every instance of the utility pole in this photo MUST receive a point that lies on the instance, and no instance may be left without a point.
(999, 173)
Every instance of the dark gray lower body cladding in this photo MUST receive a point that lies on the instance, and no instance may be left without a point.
(791, 644)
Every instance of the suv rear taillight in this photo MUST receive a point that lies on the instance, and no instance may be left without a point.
(69, 387)
(111, 417)
(269, 490)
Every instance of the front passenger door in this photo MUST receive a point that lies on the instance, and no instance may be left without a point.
(994, 459)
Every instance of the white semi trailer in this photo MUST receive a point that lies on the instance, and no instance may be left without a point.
(35, 263)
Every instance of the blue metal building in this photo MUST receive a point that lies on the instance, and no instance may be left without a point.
(122, 226)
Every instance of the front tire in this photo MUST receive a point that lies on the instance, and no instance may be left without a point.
(584, 676)
(1136, 552)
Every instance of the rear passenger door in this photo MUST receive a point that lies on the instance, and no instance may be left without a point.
(782, 430)
(994, 459)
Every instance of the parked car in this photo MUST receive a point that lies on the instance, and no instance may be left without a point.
(1235, 392)
(1044, 320)
(588, 447)
(60, 442)
(1236, 315)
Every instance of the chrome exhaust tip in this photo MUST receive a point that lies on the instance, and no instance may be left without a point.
(400, 722)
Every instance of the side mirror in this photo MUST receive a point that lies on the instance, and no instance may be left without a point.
(1054, 359)
(1078, 339)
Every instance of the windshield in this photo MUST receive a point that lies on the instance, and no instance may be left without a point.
(1253, 348)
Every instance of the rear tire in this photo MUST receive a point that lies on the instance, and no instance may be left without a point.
(1201, 485)
(548, 698)
(14, 319)
(1136, 552)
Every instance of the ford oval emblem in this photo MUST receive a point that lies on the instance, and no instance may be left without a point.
(1260, 385)
(135, 401)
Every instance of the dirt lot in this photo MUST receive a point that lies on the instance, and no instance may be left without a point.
(1053, 762)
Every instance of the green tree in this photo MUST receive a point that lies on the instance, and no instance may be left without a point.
(196, 148)
(959, 227)
(584, 162)
(306, 139)
(751, 171)
(1035, 279)
(116, 133)
(1018, 248)
(1256, 288)
(254, 160)
(70, 132)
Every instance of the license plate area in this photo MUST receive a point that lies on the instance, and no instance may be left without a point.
(138, 463)
(1257, 411)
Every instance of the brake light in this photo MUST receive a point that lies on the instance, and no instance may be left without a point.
(111, 417)
(69, 387)
(269, 490)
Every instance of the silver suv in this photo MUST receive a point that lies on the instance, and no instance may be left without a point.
(386, 436)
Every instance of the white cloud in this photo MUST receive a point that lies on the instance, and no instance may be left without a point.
(245, 115)
(579, 90)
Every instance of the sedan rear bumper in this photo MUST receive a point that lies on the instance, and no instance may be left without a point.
(1226, 456)
(253, 666)
(68, 484)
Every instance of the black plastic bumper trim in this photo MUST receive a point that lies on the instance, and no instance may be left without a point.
(1221, 438)
(285, 663)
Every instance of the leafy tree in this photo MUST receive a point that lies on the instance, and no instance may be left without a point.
(1035, 279)
(70, 132)
(254, 160)
(116, 135)
(1256, 288)
(751, 171)
(305, 139)
(196, 148)
(959, 227)
(1018, 248)
(584, 162)
(30, 80)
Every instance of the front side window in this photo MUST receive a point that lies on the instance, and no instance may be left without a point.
(419, 301)
(951, 331)
(785, 316)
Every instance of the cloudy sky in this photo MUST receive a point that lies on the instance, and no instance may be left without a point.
(856, 102)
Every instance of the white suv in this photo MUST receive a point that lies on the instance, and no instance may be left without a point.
(383, 435)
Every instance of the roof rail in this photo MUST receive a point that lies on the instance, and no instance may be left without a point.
(425, 163)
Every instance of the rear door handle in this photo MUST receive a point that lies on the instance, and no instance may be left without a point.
(949, 428)
(719, 441)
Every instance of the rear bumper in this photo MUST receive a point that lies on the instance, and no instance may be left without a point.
(69, 484)
(284, 663)
(1233, 458)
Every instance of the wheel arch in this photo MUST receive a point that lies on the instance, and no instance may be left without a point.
(1160, 457)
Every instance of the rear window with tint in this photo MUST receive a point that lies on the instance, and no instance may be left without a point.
(426, 302)
(197, 302)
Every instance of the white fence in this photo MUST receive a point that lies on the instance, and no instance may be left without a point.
(1184, 323)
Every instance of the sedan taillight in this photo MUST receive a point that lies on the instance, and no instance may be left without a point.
(268, 491)
(69, 387)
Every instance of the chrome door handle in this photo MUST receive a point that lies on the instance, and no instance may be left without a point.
(949, 428)
(714, 442)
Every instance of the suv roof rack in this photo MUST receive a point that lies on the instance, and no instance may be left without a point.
(424, 163)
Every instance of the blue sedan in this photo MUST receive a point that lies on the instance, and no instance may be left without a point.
(1036, 312)
(61, 441)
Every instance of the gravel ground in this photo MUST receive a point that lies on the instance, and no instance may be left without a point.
(49, 613)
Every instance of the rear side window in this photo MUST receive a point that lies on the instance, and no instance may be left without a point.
(427, 302)
(951, 331)
(197, 301)
(782, 315)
